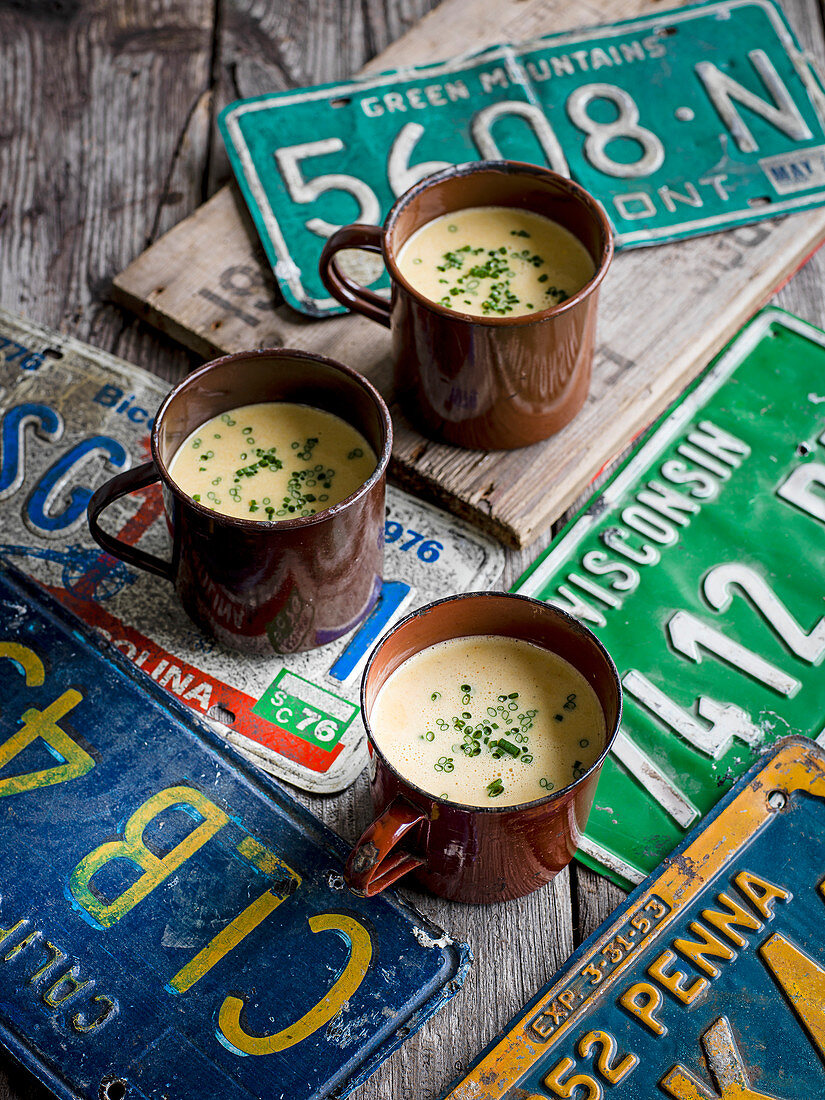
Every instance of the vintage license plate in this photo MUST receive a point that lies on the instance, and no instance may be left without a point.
(70, 418)
(681, 122)
(700, 567)
(709, 982)
(173, 923)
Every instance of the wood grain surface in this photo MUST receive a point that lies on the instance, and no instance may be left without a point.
(208, 284)
(107, 140)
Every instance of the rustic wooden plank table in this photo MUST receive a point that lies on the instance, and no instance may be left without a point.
(107, 140)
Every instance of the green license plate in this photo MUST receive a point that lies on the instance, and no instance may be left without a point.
(680, 122)
(700, 567)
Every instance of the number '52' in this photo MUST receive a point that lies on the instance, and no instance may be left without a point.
(77, 762)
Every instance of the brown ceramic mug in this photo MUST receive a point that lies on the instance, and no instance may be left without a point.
(473, 853)
(263, 586)
(483, 382)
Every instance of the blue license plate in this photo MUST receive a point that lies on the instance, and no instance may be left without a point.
(709, 982)
(174, 924)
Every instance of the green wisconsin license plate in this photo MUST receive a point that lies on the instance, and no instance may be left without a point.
(700, 566)
(680, 122)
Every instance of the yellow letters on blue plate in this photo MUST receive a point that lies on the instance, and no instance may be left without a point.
(133, 848)
(41, 724)
(229, 1020)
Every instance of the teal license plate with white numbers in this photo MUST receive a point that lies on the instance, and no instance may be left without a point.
(681, 123)
(701, 567)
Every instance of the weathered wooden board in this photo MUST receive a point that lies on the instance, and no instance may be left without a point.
(663, 313)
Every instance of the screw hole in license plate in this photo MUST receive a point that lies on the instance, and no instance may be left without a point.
(777, 800)
(112, 1088)
(220, 713)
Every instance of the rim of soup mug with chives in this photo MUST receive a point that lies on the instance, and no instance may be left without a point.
(277, 353)
(610, 732)
(507, 167)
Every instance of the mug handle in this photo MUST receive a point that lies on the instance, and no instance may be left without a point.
(119, 486)
(340, 286)
(372, 865)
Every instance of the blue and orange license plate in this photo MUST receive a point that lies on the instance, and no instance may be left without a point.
(680, 122)
(172, 924)
(709, 982)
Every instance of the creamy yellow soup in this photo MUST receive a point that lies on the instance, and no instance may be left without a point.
(488, 721)
(273, 461)
(495, 261)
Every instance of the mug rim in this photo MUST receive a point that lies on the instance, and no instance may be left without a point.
(570, 620)
(297, 522)
(506, 167)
